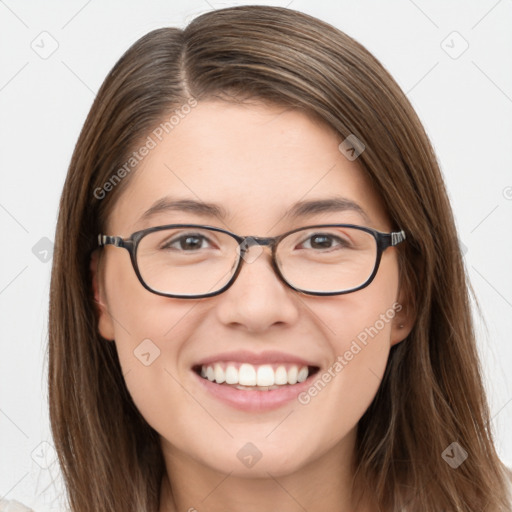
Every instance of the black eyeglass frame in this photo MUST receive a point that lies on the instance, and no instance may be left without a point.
(383, 241)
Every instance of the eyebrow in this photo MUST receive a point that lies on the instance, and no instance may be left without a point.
(297, 210)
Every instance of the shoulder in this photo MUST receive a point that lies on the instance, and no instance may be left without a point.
(13, 506)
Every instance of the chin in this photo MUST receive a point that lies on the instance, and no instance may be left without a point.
(244, 458)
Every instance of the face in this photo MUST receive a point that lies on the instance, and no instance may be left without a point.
(255, 162)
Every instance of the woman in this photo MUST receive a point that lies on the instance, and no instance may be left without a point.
(291, 328)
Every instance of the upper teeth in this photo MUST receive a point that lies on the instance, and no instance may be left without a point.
(250, 375)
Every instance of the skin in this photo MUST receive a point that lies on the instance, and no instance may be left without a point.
(255, 161)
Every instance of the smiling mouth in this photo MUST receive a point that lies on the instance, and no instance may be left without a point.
(248, 377)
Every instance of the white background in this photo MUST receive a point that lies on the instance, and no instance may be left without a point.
(465, 104)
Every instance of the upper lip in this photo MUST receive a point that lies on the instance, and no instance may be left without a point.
(266, 357)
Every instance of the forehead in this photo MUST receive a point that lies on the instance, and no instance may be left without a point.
(254, 161)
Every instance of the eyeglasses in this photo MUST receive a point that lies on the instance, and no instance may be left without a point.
(192, 261)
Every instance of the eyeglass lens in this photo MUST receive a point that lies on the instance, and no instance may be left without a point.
(195, 261)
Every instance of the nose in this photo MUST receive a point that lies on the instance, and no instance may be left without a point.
(258, 299)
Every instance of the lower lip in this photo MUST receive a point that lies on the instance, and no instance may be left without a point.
(254, 400)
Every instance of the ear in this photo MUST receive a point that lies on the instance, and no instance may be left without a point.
(404, 319)
(105, 323)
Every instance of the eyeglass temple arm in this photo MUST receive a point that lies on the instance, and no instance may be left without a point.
(117, 241)
(110, 240)
(397, 237)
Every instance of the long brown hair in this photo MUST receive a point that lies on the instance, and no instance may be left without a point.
(432, 393)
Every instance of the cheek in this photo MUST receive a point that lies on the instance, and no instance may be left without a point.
(138, 314)
(363, 315)
(359, 333)
(150, 332)
(369, 315)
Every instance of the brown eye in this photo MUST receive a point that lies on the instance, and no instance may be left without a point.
(188, 242)
(325, 241)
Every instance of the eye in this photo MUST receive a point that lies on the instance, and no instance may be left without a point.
(188, 242)
(325, 241)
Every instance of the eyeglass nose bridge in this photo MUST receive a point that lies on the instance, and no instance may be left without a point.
(248, 241)
(245, 243)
